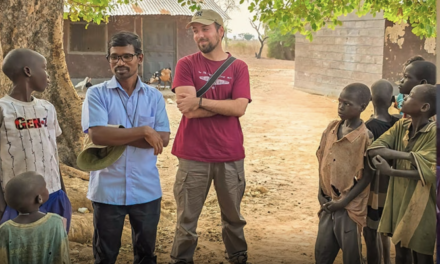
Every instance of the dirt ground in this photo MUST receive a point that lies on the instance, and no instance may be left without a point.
(282, 128)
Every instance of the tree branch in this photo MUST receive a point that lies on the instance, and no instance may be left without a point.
(253, 24)
(228, 5)
(257, 28)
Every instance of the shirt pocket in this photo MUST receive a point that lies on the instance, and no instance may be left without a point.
(146, 121)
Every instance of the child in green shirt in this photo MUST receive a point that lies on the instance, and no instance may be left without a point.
(409, 214)
(32, 237)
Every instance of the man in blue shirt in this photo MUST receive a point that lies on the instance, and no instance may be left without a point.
(131, 185)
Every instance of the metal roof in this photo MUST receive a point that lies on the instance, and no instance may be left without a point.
(160, 7)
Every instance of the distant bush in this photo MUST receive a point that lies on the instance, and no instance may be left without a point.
(281, 46)
(246, 36)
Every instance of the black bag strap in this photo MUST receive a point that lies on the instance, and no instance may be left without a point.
(214, 77)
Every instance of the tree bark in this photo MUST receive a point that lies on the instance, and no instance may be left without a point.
(38, 25)
(261, 50)
(261, 45)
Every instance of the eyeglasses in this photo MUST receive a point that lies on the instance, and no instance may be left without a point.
(125, 57)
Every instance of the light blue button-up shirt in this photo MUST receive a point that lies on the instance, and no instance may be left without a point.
(133, 178)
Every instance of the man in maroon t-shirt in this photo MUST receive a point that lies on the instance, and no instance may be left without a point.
(209, 141)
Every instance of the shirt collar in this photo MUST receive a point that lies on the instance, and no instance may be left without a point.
(424, 129)
(113, 83)
(353, 135)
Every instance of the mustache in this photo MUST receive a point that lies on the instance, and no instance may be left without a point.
(126, 68)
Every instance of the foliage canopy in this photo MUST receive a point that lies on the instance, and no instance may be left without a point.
(308, 16)
(292, 16)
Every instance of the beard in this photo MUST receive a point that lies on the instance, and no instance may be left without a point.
(207, 48)
(123, 75)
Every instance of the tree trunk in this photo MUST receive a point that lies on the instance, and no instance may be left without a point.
(261, 48)
(38, 25)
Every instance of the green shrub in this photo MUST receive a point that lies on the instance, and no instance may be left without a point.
(280, 46)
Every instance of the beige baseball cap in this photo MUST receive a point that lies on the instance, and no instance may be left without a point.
(206, 17)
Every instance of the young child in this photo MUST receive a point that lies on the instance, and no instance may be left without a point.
(400, 96)
(379, 123)
(32, 237)
(417, 71)
(28, 131)
(409, 214)
(343, 182)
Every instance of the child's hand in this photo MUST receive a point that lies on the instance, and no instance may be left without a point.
(334, 206)
(323, 209)
(320, 211)
(382, 165)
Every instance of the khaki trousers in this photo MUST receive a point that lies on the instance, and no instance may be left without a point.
(193, 181)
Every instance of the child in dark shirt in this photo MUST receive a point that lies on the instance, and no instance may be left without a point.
(379, 123)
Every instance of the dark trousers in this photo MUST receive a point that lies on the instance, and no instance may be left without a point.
(108, 221)
(337, 231)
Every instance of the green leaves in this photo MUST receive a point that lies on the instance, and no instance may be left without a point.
(194, 5)
(306, 16)
(92, 11)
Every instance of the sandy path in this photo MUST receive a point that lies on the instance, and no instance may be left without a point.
(282, 128)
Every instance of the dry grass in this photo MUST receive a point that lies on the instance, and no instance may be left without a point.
(248, 48)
